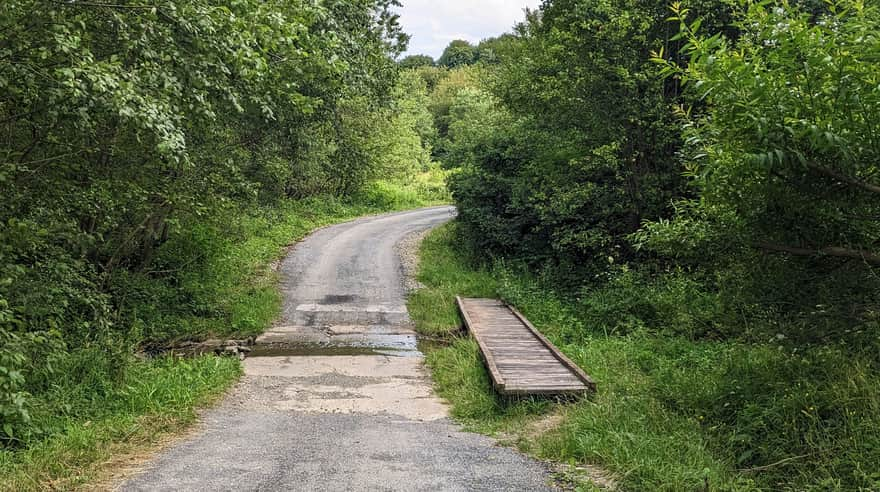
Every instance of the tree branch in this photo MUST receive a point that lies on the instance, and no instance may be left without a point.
(843, 177)
(836, 251)
(105, 5)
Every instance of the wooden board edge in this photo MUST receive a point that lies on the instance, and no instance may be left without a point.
(497, 378)
(520, 391)
(588, 381)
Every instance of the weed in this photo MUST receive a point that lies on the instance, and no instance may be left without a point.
(153, 399)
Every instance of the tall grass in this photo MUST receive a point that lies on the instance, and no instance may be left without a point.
(673, 412)
(92, 423)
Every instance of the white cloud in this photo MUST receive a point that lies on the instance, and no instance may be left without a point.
(433, 24)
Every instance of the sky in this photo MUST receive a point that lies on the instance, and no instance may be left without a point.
(433, 24)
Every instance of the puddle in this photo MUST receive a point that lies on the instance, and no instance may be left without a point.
(342, 344)
(337, 340)
(322, 349)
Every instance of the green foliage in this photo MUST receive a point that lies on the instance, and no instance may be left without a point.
(98, 425)
(787, 146)
(406, 140)
(416, 61)
(13, 357)
(458, 53)
(690, 214)
(674, 410)
(782, 152)
(423, 189)
(503, 48)
(441, 270)
(213, 279)
(155, 158)
(588, 149)
(442, 96)
(431, 76)
(760, 197)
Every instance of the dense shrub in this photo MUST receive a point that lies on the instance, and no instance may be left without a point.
(592, 151)
(784, 159)
(753, 193)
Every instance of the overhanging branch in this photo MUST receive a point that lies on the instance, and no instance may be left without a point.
(844, 178)
(836, 251)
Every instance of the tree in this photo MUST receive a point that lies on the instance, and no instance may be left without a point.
(125, 127)
(458, 53)
(593, 150)
(505, 47)
(445, 91)
(416, 61)
(796, 165)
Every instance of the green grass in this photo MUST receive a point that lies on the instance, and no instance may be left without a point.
(671, 412)
(153, 399)
(99, 404)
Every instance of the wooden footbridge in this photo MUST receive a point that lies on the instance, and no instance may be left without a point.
(521, 361)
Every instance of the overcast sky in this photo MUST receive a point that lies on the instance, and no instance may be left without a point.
(434, 23)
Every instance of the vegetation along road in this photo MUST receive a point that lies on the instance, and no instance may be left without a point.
(683, 196)
(338, 397)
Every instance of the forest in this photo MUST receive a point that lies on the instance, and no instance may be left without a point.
(684, 197)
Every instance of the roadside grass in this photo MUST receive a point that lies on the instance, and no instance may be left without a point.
(671, 413)
(99, 406)
(153, 399)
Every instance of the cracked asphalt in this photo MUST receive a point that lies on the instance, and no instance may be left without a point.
(337, 397)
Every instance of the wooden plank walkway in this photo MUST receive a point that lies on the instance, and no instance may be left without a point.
(520, 360)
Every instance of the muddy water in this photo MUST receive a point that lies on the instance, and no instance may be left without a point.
(325, 350)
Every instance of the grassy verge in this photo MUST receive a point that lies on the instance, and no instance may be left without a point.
(671, 413)
(84, 444)
(98, 405)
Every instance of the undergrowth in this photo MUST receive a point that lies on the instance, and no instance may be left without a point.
(672, 412)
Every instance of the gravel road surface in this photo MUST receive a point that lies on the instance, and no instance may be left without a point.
(336, 397)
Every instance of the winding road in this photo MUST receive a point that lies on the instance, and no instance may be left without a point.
(336, 397)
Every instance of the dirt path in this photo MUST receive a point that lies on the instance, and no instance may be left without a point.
(336, 397)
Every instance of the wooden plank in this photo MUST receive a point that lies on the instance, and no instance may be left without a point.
(525, 373)
(535, 390)
(522, 362)
(520, 359)
(533, 371)
(555, 351)
(490, 361)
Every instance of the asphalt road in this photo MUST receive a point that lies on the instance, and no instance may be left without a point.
(337, 396)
